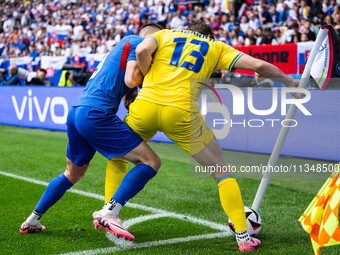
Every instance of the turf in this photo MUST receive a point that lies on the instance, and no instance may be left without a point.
(40, 154)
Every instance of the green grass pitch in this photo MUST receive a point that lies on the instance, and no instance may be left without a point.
(40, 155)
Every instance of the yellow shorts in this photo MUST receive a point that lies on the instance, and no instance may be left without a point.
(188, 131)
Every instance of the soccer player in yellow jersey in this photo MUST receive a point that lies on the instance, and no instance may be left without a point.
(169, 59)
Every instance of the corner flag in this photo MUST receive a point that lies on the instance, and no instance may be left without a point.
(327, 62)
(320, 219)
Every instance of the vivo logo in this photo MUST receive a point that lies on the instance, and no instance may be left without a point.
(31, 103)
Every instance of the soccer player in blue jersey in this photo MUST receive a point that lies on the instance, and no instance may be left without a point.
(92, 125)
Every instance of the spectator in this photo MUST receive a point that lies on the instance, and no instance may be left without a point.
(259, 35)
(264, 15)
(235, 39)
(337, 22)
(190, 19)
(252, 41)
(161, 10)
(326, 7)
(294, 12)
(244, 24)
(279, 6)
(279, 37)
(316, 7)
(295, 39)
(8, 24)
(172, 6)
(77, 31)
(224, 22)
(284, 14)
(303, 9)
(213, 8)
(254, 22)
(33, 28)
(310, 34)
(268, 37)
(328, 20)
(231, 23)
(304, 37)
(219, 36)
(237, 27)
(178, 21)
(295, 33)
(250, 34)
(144, 11)
(40, 79)
(14, 78)
(274, 14)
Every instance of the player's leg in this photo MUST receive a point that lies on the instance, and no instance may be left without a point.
(147, 164)
(146, 161)
(78, 151)
(190, 132)
(140, 124)
(230, 194)
(116, 169)
(114, 138)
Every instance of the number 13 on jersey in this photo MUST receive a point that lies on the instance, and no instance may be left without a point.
(199, 55)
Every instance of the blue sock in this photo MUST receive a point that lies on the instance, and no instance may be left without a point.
(54, 191)
(133, 182)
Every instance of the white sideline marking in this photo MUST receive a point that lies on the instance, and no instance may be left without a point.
(149, 244)
(158, 213)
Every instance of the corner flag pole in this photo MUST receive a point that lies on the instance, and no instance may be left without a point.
(290, 115)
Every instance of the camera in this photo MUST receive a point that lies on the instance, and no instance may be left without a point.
(69, 67)
(81, 76)
(25, 74)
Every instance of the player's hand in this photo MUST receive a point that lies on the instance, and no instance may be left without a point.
(295, 84)
(130, 97)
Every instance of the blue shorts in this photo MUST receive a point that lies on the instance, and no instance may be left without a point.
(90, 130)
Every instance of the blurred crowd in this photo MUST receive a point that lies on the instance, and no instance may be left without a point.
(31, 28)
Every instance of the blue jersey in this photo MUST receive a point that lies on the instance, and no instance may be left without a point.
(106, 87)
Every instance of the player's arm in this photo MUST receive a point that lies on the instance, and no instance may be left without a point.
(133, 75)
(144, 53)
(265, 69)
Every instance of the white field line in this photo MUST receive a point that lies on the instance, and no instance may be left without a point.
(149, 244)
(131, 222)
(157, 213)
(210, 224)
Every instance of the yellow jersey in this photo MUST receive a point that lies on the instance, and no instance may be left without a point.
(181, 58)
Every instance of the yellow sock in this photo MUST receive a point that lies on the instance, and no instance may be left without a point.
(115, 171)
(231, 200)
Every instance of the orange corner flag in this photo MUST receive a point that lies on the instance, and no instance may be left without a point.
(320, 219)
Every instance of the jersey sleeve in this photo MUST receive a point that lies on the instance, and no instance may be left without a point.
(158, 36)
(132, 52)
(228, 57)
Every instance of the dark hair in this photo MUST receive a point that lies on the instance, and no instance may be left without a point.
(295, 25)
(154, 25)
(202, 27)
(43, 70)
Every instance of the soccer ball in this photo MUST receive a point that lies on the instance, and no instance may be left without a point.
(253, 222)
